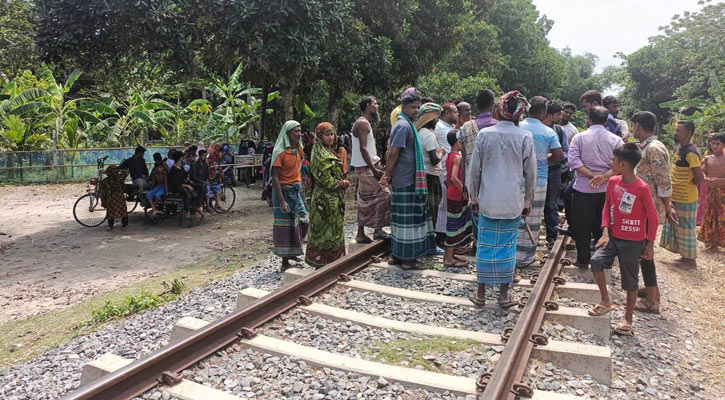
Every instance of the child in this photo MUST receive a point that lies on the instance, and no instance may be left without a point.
(458, 223)
(629, 225)
(712, 231)
(159, 185)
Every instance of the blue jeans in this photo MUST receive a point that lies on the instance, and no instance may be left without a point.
(212, 189)
(551, 206)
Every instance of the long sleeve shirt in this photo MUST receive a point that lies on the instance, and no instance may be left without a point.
(629, 212)
(592, 149)
(503, 171)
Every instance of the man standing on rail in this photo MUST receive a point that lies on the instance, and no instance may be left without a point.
(548, 149)
(410, 221)
(373, 200)
(506, 153)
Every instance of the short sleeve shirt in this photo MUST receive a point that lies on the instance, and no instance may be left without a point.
(429, 142)
(683, 189)
(654, 170)
(402, 136)
(545, 140)
(289, 165)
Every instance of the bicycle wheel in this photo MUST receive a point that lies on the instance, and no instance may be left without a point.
(227, 198)
(88, 210)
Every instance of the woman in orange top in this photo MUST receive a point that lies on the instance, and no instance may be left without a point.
(290, 215)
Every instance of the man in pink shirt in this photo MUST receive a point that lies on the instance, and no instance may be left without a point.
(590, 155)
(629, 224)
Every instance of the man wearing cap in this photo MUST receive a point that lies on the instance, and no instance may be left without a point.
(432, 154)
(136, 166)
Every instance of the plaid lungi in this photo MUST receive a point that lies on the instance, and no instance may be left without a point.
(441, 223)
(289, 230)
(373, 200)
(682, 238)
(525, 250)
(434, 196)
(411, 226)
(459, 232)
(496, 250)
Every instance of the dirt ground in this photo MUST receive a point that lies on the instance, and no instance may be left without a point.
(50, 262)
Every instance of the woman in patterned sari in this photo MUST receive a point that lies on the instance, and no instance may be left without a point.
(326, 241)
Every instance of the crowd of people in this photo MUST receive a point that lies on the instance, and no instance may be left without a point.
(452, 183)
(195, 175)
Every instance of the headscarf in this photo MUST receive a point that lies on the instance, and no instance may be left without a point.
(213, 154)
(112, 183)
(421, 182)
(200, 147)
(283, 142)
(428, 112)
(324, 157)
(501, 109)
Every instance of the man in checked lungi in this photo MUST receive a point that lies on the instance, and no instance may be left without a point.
(506, 154)
(410, 222)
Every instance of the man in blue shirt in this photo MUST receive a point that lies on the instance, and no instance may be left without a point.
(554, 112)
(547, 149)
(591, 99)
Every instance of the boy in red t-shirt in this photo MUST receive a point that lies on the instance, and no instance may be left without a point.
(629, 224)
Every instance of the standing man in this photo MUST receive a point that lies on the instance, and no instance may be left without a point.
(432, 154)
(411, 225)
(553, 183)
(464, 113)
(591, 99)
(506, 153)
(590, 155)
(611, 103)
(566, 113)
(373, 200)
(137, 168)
(447, 122)
(654, 170)
(547, 148)
(470, 129)
(686, 175)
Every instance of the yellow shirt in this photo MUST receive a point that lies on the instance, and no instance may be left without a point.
(683, 189)
(394, 114)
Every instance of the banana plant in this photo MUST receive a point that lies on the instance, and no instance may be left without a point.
(131, 120)
(16, 135)
(50, 105)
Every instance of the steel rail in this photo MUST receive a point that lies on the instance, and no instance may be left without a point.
(504, 382)
(164, 364)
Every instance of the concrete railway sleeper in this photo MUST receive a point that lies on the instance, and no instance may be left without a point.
(192, 340)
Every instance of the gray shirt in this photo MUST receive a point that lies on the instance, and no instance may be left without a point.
(503, 170)
(401, 135)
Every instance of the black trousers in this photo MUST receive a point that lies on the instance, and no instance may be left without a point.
(586, 216)
(649, 274)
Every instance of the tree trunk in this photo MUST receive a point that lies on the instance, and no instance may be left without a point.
(263, 110)
(286, 95)
(333, 105)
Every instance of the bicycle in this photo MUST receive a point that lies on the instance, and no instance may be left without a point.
(88, 210)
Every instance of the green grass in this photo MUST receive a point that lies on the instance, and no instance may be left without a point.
(22, 340)
(411, 352)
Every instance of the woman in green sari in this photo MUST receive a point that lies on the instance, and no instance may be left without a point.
(326, 240)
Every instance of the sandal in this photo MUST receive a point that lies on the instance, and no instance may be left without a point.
(367, 240)
(643, 306)
(411, 266)
(479, 302)
(395, 262)
(624, 329)
(507, 303)
(382, 236)
(601, 309)
(456, 265)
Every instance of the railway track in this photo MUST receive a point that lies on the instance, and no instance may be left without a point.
(192, 340)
